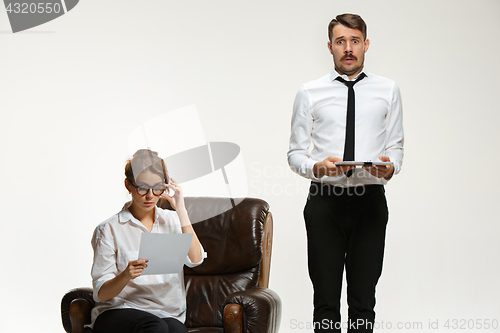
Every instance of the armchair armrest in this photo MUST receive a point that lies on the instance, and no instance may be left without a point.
(75, 309)
(256, 310)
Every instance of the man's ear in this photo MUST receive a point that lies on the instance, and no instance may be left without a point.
(329, 45)
(367, 44)
(127, 185)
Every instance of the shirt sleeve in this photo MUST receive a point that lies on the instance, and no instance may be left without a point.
(104, 266)
(299, 157)
(394, 139)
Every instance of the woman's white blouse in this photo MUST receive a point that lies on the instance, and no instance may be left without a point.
(116, 242)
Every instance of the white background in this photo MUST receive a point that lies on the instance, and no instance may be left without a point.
(72, 90)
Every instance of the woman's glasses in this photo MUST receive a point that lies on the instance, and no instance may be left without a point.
(142, 189)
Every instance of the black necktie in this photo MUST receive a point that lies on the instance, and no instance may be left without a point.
(350, 120)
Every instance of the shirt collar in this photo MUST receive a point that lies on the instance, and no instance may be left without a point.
(125, 215)
(334, 74)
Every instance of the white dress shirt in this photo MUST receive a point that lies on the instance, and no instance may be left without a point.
(116, 242)
(319, 126)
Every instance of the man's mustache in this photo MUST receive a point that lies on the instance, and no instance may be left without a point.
(349, 56)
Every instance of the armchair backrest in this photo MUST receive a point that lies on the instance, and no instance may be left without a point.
(238, 244)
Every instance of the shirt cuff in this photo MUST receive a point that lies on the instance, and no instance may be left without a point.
(309, 169)
(98, 284)
(191, 264)
(397, 163)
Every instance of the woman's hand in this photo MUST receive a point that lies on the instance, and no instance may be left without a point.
(177, 199)
(134, 268)
(113, 287)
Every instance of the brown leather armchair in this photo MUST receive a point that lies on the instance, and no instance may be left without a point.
(228, 292)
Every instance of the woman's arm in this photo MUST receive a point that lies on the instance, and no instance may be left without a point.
(177, 203)
(194, 252)
(113, 287)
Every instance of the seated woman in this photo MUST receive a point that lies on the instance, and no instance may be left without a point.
(127, 302)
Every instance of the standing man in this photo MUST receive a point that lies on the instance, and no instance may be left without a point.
(347, 115)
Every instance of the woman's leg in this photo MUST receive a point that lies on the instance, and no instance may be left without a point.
(175, 326)
(129, 321)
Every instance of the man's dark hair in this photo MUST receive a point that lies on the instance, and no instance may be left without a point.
(352, 21)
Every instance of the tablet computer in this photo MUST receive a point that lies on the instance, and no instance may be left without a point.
(355, 163)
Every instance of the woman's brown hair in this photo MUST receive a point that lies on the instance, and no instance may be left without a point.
(145, 160)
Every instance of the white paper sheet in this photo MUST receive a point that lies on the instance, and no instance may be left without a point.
(167, 253)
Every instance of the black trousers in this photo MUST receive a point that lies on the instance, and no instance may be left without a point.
(345, 227)
(135, 321)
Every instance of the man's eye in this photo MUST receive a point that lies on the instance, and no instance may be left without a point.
(355, 41)
(340, 42)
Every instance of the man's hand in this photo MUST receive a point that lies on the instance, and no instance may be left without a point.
(381, 171)
(327, 167)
